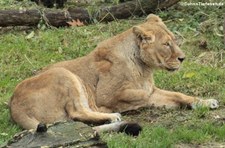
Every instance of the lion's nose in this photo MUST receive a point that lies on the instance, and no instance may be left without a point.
(181, 59)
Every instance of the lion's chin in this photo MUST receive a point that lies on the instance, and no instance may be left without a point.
(172, 69)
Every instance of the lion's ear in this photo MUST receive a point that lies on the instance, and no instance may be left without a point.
(153, 18)
(138, 31)
(145, 37)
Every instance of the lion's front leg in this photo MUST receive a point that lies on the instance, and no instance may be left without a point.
(131, 99)
(174, 99)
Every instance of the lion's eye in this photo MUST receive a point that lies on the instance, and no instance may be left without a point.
(167, 44)
(148, 38)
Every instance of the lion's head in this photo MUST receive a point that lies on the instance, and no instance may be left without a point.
(157, 44)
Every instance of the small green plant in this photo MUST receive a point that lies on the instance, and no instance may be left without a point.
(201, 112)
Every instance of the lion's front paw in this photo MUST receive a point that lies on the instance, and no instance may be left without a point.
(115, 117)
(211, 103)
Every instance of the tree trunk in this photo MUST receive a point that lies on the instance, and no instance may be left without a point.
(59, 18)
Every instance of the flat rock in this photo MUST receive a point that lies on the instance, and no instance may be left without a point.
(63, 134)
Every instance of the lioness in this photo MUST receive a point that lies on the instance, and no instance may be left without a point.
(116, 76)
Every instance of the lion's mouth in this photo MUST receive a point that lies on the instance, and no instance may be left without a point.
(172, 69)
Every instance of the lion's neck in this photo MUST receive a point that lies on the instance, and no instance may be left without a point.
(128, 48)
(125, 47)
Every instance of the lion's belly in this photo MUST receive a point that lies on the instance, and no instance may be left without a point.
(107, 88)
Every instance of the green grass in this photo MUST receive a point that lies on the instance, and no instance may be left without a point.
(22, 52)
(160, 136)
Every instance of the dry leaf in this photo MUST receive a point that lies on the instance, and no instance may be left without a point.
(203, 44)
(30, 35)
(7, 104)
(3, 134)
(65, 42)
(189, 75)
(75, 23)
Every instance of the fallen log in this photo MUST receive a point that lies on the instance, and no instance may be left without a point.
(133, 8)
(224, 28)
(59, 18)
(19, 18)
(55, 18)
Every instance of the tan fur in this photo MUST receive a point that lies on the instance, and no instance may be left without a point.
(116, 76)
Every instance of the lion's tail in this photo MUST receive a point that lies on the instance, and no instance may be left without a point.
(130, 128)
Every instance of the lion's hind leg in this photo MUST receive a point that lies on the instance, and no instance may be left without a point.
(78, 107)
(88, 116)
(24, 120)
